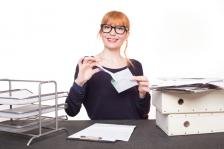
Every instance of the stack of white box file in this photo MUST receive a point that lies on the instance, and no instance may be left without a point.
(189, 105)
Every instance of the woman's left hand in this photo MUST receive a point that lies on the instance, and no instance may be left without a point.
(143, 85)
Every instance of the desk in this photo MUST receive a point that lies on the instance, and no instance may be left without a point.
(145, 136)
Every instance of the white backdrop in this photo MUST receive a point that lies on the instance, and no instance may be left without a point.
(44, 39)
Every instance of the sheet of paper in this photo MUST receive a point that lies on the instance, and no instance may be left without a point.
(122, 80)
(16, 93)
(175, 82)
(219, 83)
(185, 89)
(106, 132)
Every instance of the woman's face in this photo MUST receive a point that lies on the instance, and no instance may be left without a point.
(113, 36)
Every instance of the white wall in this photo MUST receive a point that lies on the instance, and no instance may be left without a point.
(44, 39)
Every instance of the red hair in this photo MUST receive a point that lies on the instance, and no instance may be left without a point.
(116, 18)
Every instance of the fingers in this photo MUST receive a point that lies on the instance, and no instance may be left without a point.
(89, 59)
(144, 89)
(143, 83)
(80, 62)
(93, 64)
(140, 78)
(95, 70)
(144, 86)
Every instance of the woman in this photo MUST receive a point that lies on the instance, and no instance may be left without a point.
(92, 87)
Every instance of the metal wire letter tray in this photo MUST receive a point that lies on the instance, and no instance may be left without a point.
(25, 109)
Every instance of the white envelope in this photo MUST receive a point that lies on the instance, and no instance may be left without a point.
(122, 80)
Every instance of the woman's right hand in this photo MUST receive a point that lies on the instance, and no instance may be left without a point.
(86, 70)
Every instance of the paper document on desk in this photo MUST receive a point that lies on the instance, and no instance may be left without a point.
(104, 132)
(188, 84)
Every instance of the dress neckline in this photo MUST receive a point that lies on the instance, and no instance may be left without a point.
(117, 69)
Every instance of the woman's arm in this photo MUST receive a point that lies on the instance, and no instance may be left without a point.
(143, 106)
(76, 96)
(144, 98)
(143, 103)
(74, 100)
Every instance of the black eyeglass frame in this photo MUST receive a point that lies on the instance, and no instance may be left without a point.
(115, 28)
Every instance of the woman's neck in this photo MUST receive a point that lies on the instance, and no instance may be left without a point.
(111, 54)
(112, 59)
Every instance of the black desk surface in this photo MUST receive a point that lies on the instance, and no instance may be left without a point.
(145, 136)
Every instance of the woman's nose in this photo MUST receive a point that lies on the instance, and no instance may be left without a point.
(112, 32)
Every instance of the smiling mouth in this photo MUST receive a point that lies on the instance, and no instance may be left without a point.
(112, 39)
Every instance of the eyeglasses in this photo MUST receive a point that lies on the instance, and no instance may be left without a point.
(118, 29)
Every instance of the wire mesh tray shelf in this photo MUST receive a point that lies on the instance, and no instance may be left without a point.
(24, 96)
(24, 124)
(28, 110)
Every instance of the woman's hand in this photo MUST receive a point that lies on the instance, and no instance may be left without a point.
(143, 85)
(86, 70)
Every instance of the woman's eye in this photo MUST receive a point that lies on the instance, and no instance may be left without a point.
(120, 28)
(106, 27)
